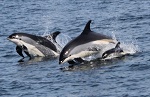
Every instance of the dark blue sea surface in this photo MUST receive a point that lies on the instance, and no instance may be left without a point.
(129, 76)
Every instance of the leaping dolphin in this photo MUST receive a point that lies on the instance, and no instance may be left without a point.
(87, 43)
(115, 52)
(34, 45)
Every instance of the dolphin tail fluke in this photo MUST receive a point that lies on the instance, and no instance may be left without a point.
(19, 51)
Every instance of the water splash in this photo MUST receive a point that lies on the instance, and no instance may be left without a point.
(129, 48)
(47, 23)
(63, 39)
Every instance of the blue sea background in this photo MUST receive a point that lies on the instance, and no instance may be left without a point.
(129, 76)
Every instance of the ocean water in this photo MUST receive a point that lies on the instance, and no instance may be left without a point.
(128, 76)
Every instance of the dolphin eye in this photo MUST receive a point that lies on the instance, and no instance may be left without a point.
(13, 37)
(104, 55)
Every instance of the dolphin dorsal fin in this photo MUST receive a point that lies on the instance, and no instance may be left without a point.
(117, 45)
(87, 28)
(118, 48)
(54, 35)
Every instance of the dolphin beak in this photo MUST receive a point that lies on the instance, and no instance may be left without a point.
(8, 38)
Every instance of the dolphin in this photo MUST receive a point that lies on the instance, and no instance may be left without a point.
(86, 44)
(34, 45)
(115, 52)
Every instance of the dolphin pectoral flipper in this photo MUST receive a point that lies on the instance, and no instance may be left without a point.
(19, 51)
(26, 51)
(80, 60)
(27, 54)
(71, 62)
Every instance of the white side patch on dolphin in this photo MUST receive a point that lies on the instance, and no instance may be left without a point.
(104, 41)
(32, 49)
(80, 55)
